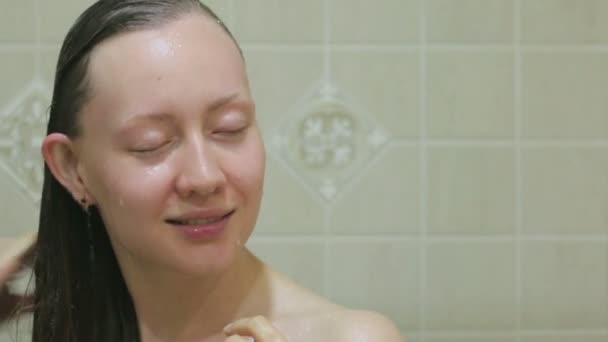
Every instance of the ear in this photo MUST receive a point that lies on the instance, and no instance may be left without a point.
(59, 153)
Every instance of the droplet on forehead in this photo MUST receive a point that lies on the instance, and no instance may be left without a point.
(161, 46)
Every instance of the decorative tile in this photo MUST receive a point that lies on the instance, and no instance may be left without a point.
(324, 139)
(21, 131)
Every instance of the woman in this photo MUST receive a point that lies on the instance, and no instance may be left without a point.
(153, 182)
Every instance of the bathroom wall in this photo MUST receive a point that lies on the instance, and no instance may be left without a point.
(444, 162)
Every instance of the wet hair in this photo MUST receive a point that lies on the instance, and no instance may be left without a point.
(80, 293)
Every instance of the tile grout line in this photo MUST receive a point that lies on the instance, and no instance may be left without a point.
(440, 239)
(423, 159)
(260, 45)
(327, 60)
(38, 42)
(327, 243)
(231, 14)
(517, 83)
(479, 142)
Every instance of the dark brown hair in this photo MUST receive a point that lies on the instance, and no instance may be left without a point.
(80, 294)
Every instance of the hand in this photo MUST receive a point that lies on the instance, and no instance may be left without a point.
(12, 263)
(257, 329)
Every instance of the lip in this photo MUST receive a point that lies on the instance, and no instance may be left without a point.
(206, 231)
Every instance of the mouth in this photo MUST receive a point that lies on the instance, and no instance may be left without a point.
(199, 221)
(202, 226)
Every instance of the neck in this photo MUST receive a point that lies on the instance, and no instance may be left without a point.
(179, 308)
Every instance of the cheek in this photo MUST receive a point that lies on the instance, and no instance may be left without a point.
(247, 171)
(127, 194)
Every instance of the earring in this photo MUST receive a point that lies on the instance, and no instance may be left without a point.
(87, 211)
(83, 203)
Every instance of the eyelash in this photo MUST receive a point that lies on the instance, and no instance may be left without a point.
(231, 132)
(227, 132)
(151, 149)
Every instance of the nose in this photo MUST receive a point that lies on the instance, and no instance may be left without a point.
(200, 174)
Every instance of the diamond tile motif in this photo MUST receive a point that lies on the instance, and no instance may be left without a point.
(325, 139)
(22, 128)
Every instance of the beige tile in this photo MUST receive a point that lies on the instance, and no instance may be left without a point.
(471, 190)
(471, 339)
(410, 338)
(385, 83)
(564, 285)
(285, 21)
(279, 78)
(377, 275)
(569, 338)
(16, 70)
(470, 94)
(55, 20)
(304, 262)
(287, 208)
(17, 21)
(18, 214)
(564, 21)
(385, 199)
(387, 21)
(563, 94)
(48, 64)
(565, 190)
(471, 286)
(223, 9)
(19, 331)
(470, 21)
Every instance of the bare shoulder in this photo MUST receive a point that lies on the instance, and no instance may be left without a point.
(363, 326)
(306, 316)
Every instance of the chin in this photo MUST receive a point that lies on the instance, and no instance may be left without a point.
(210, 259)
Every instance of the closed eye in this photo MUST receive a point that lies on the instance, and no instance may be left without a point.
(230, 132)
(150, 149)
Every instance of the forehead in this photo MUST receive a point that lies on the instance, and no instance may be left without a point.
(189, 57)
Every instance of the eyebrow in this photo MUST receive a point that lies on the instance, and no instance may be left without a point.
(222, 102)
(161, 116)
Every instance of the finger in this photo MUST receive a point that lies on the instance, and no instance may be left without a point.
(12, 260)
(237, 338)
(8, 268)
(257, 327)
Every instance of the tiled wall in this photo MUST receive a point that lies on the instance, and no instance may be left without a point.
(444, 162)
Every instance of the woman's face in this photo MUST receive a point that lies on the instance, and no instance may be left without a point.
(170, 151)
